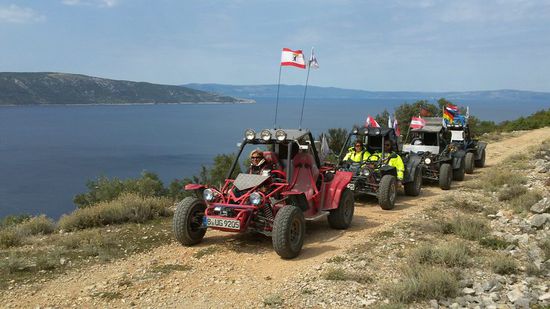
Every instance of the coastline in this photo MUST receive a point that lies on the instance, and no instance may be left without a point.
(243, 101)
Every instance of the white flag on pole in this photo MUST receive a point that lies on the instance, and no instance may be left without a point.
(313, 60)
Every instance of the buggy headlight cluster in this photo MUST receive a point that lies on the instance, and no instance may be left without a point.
(265, 135)
(255, 198)
(249, 134)
(208, 195)
(365, 172)
(280, 135)
(428, 161)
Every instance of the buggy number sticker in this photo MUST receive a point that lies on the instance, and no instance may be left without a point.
(351, 186)
(225, 223)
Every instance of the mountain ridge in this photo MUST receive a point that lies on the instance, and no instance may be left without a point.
(297, 91)
(34, 88)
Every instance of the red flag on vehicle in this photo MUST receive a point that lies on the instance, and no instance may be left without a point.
(371, 122)
(293, 58)
(417, 123)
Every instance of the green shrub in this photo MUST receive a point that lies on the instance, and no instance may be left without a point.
(421, 282)
(10, 237)
(493, 242)
(511, 192)
(104, 189)
(127, 208)
(504, 265)
(12, 220)
(37, 225)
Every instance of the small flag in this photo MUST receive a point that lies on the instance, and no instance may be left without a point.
(371, 122)
(467, 112)
(313, 60)
(390, 124)
(293, 58)
(453, 109)
(417, 123)
(396, 127)
(325, 150)
(448, 116)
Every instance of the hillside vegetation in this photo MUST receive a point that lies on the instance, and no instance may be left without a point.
(61, 88)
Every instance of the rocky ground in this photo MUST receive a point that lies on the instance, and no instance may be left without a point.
(368, 265)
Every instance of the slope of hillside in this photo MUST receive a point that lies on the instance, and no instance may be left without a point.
(61, 88)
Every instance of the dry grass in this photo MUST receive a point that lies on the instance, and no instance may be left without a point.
(126, 208)
(15, 234)
(522, 203)
(503, 265)
(454, 254)
(508, 193)
(422, 282)
(467, 227)
(340, 274)
(493, 242)
(494, 179)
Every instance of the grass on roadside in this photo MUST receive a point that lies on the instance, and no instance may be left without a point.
(503, 264)
(454, 254)
(340, 274)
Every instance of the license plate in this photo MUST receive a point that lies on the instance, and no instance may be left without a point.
(225, 223)
(351, 186)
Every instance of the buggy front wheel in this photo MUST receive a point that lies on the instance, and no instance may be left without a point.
(445, 176)
(469, 163)
(187, 224)
(289, 228)
(387, 192)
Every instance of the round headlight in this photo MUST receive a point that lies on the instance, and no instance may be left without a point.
(427, 160)
(265, 135)
(355, 131)
(208, 195)
(374, 131)
(365, 172)
(255, 198)
(280, 135)
(249, 134)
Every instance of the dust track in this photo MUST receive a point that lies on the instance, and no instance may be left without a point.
(240, 270)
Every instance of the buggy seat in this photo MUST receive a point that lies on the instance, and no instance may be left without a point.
(305, 174)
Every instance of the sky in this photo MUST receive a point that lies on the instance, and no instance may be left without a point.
(377, 45)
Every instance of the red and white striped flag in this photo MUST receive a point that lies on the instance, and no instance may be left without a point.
(293, 58)
(417, 123)
(371, 122)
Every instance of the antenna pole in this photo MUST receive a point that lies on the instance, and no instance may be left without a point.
(304, 99)
(277, 104)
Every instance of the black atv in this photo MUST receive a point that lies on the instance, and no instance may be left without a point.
(374, 176)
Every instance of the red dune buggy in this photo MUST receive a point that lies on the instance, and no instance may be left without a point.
(276, 203)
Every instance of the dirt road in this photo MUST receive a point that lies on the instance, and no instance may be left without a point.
(232, 270)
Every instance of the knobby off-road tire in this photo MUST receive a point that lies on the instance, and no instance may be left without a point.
(458, 174)
(481, 161)
(188, 220)
(289, 229)
(469, 163)
(445, 176)
(413, 188)
(387, 192)
(340, 218)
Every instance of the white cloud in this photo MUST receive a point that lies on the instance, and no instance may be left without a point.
(97, 3)
(19, 15)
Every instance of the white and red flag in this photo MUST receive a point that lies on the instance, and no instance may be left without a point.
(293, 58)
(417, 123)
(371, 122)
(313, 60)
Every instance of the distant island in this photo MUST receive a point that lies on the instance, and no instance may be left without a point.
(22, 88)
(316, 92)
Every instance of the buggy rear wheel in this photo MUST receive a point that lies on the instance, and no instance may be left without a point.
(445, 176)
(187, 224)
(481, 161)
(340, 218)
(289, 229)
(469, 163)
(387, 192)
(458, 173)
(413, 188)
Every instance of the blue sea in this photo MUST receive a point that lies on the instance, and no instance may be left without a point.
(47, 153)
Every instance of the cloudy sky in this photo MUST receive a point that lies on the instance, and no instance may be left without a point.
(414, 45)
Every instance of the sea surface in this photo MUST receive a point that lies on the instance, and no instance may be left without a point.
(48, 153)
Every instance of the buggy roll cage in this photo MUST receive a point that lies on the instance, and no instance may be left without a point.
(291, 137)
(384, 133)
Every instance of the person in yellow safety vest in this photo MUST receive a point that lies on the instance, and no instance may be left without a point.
(394, 159)
(357, 153)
